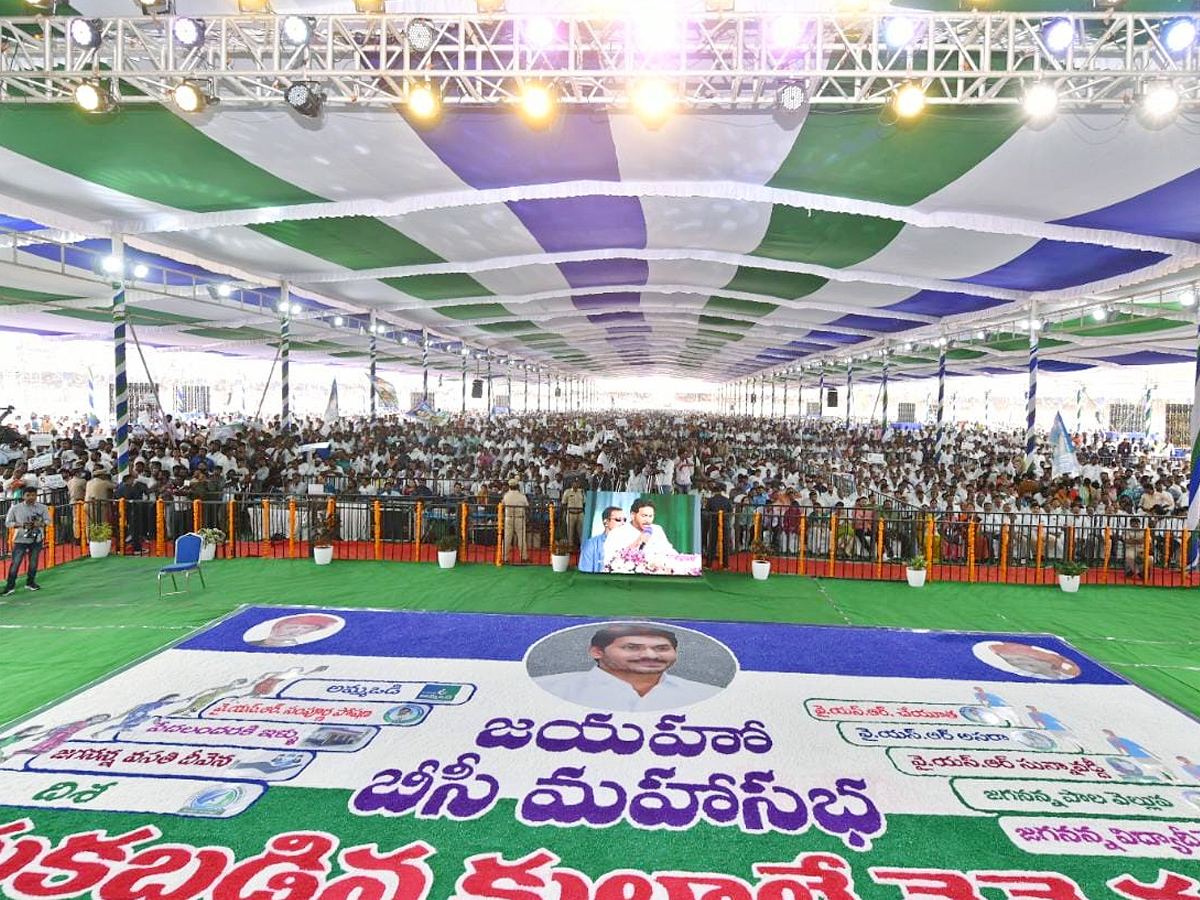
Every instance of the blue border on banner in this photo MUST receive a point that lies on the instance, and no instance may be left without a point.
(808, 649)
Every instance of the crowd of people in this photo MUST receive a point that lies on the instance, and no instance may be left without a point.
(784, 470)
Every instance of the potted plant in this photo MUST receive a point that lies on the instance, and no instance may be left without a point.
(210, 538)
(324, 533)
(560, 556)
(914, 570)
(1069, 574)
(447, 550)
(99, 539)
(760, 560)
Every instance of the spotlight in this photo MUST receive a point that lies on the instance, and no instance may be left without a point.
(981, 335)
(907, 349)
(370, 7)
(141, 270)
(466, 352)
(656, 32)
(1099, 314)
(537, 104)
(254, 6)
(188, 32)
(224, 290)
(304, 98)
(909, 100)
(899, 31)
(374, 329)
(1035, 324)
(423, 101)
(1179, 34)
(404, 340)
(296, 309)
(1160, 101)
(85, 33)
(110, 265)
(189, 98)
(338, 321)
(791, 96)
(1187, 298)
(1040, 101)
(91, 97)
(421, 33)
(653, 101)
(785, 32)
(296, 31)
(540, 32)
(281, 306)
(1058, 35)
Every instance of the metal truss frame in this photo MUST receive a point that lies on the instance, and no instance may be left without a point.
(726, 61)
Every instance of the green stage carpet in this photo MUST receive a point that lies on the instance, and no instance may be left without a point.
(96, 615)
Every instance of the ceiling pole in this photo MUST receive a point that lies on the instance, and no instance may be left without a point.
(849, 388)
(488, 354)
(120, 377)
(525, 405)
(508, 376)
(800, 394)
(785, 397)
(463, 355)
(772, 396)
(1031, 397)
(285, 343)
(374, 360)
(884, 389)
(821, 393)
(425, 365)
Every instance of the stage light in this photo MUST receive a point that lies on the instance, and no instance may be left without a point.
(653, 101)
(370, 7)
(1035, 324)
(338, 321)
(421, 33)
(909, 100)
(785, 32)
(304, 98)
(91, 97)
(791, 97)
(941, 342)
(1160, 101)
(85, 33)
(1040, 101)
(1058, 35)
(537, 104)
(540, 32)
(224, 290)
(1179, 34)
(110, 265)
(254, 6)
(188, 32)
(1099, 314)
(189, 98)
(296, 31)
(466, 352)
(656, 32)
(296, 310)
(404, 340)
(908, 348)
(141, 270)
(899, 31)
(423, 101)
(981, 335)
(281, 306)
(1187, 298)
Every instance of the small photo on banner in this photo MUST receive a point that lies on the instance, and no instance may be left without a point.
(629, 533)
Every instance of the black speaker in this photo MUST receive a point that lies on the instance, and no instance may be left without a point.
(753, 398)
(477, 388)
(558, 392)
(831, 398)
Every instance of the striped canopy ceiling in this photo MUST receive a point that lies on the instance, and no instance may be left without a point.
(718, 245)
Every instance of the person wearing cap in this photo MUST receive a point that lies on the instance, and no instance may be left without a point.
(293, 630)
(29, 518)
(629, 673)
(515, 506)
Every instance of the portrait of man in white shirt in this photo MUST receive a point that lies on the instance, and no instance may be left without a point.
(630, 673)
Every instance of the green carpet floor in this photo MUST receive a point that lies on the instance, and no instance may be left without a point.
(94, 616)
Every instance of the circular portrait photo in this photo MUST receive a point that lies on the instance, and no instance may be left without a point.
(291, 631)
(405, 714)
(631, 666)
(1035, 740)
(1026, 660)
(981, 715)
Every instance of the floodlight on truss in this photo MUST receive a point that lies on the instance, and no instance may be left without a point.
(140, 271)
(305, 98)
(189, 97)
(1059, 35)
(1179, 34)
(370, 7)
(1161, 101)
(93, 97)
(254, 7)
(424, 102)
(188, 32)
(909, 100)
(1040, 101)
(421, 33)
(86, 33)
(899, 31)
(296, 31)
(540, 32)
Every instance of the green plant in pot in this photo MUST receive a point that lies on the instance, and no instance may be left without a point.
(914, 570)
(323, 533)
(99, 539)
(447, 548)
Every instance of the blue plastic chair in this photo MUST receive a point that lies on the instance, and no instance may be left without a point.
(187, 561)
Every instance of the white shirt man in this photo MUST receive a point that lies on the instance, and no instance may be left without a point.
(630, 673)
(639, 531)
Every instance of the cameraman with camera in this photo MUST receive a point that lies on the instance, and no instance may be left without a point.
(30, 519)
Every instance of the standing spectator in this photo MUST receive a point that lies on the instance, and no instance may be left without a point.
(29, 518)
(133, 492)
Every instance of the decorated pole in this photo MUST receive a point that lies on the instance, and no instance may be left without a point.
(463, 354)
(285, 346)
(800, 394)
(1079, 409)
(941, 393)
(821, 393)
(525, 405)
(849, 388)
(772, 396)
(1193, 513)
(488, 353)
(425, 365)
(1146, 410)
(884, 391)
(785, 398)
(1031, 397)
(120, 377)
(374, 363)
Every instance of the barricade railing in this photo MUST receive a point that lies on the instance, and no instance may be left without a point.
(861, 542)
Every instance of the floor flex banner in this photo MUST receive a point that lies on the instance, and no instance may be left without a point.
(326, 754)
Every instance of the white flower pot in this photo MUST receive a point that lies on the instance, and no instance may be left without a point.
(760, 569)
(208, 552)
(322, 556)
(1069, 583)
(560, 563)
(447, 558)
(99, 549)
(916, 577)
